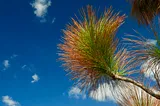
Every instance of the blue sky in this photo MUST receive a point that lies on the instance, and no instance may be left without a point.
(28, 44)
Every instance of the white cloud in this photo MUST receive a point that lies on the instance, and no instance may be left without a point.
(152, 41)
(148, 68)
(41, 7)
(107, 91)
(76, 93)
(6, 64)
(111, 90)
(35, 78)
(102, 93)
(114, 91)
(9, 101)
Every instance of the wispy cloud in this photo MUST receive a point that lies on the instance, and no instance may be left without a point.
(76, 93)
(8, 101)
(14, 56)
(35, 78)
(24, 66)
(53, 20)
(41, 8)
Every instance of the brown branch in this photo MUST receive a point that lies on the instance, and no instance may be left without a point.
(147, 90)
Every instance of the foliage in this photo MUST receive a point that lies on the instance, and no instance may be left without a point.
(90, 48)
(94, 57)
(145, 10)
